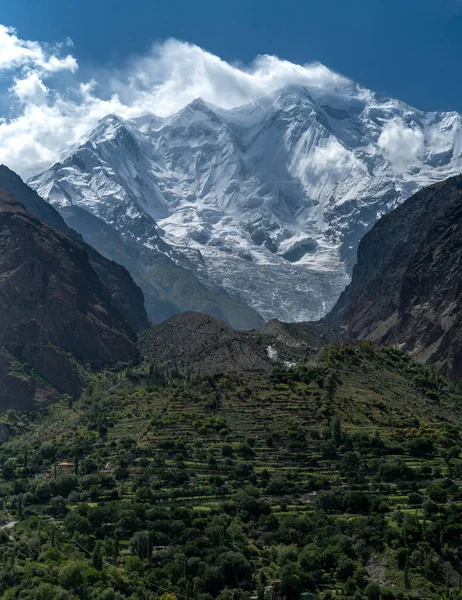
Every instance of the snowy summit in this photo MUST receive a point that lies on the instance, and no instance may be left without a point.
(268, 200)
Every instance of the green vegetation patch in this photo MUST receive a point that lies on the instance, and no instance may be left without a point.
(337, 479)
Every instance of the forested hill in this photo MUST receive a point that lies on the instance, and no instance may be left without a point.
(339, 478)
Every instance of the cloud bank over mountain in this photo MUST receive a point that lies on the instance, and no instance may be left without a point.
(49, 107)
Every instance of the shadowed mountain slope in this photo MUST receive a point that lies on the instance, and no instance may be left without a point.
(407, 286)
(168, 288)
(54, 309)
(127, 296)
(199, 343)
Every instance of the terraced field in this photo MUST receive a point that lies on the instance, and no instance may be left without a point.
(341, 478)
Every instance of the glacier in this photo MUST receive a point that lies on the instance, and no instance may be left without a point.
(268, 200)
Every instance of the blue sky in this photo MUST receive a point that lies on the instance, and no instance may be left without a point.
(410, 49)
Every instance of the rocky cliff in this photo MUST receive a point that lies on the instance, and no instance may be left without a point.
(55, 311)
(127, 296)
(407, 285)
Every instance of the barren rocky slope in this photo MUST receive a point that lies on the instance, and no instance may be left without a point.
(54, 309)
(126, 295)
(407, 286)
(193, 342)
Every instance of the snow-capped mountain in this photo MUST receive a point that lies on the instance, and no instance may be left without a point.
(268, 200)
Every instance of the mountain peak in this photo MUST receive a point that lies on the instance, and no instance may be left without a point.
(294, 89)
(110, 119)
(199, 103)
(202, 105)
(196, 110)
(293, 94)
(108, 127)
(8, 203)
(280, 190)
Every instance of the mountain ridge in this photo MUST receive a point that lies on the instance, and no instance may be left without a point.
(196, 343)
(55, 312)
(263, 198)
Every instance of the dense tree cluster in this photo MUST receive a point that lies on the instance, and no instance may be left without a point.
(156, 488)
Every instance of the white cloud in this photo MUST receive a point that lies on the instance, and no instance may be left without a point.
(51, 108)
(401, 144)
(327, 165)
(30, 89)
(334, 159)
(175, 73)
(17, 53)
(45, 117)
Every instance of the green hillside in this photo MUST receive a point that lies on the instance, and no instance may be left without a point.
(336, 479)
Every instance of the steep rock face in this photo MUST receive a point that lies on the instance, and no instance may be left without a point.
(21, 388)
(12, 183)
(268, 200)
(314, 335)
(407, 286)
(126, 295)
(54, 309)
